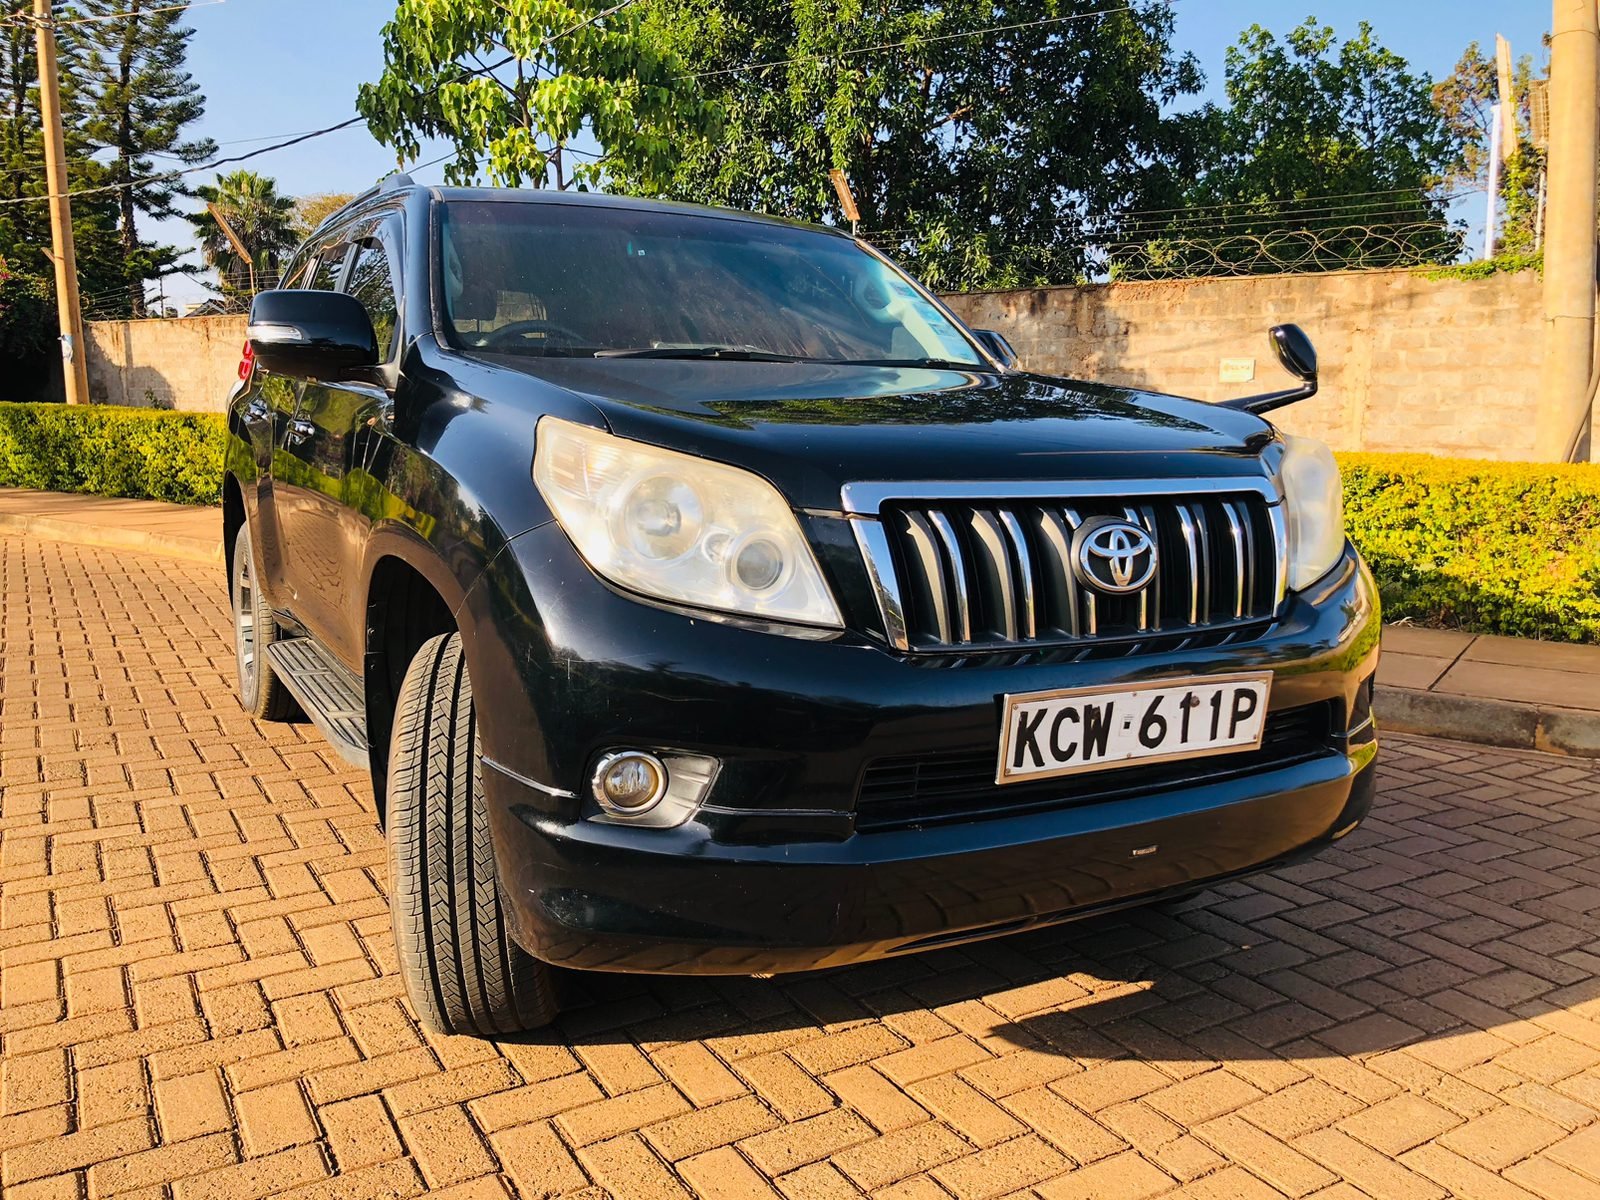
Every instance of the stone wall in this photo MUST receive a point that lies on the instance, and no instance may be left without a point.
(1444, 366)
(188, 364)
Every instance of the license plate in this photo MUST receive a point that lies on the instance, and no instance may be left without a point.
(1046, 734)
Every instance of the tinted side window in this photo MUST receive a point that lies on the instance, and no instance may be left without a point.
(295, 276)
(372, 283)
(329, 264)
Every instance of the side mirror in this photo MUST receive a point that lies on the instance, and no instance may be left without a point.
(996, 344)
(1299, 358)
(1295, 351)
(311, 334)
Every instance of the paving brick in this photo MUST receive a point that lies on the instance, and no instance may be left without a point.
(1398, 1124)
(161, 1166)
(537, 1161)
(1000, 1169)
(536, 1101)
(191, 1105)
(620, 1114)
(698, 1073)
(274, 1118)
(724, 1175)
(359, 1132)
(705, 1129)
(801, 1142)
(1125, 1177)
(268, 1176)
(1501, 1137)
(1376, 1174)
(445, 1145)
(75, 1150)
(625, 1166)
(894, 1156)
(1203, 1097)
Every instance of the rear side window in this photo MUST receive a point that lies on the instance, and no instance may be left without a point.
(372, 283)
(329, 264)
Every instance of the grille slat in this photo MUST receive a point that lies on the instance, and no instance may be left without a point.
(998, 573)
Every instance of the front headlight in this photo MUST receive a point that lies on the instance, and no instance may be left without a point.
(1315, 503)
(678, 527)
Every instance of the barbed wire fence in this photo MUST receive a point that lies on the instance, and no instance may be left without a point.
(1385, 230)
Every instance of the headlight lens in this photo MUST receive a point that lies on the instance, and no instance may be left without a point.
(678, 527)
(1315, 503)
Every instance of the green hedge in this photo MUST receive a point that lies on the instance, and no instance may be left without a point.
(1510, 548)
(106, 450)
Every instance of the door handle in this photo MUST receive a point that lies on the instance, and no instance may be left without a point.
(256, 411)
(299, 430)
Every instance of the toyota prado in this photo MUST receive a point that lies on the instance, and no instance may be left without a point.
(703, 596)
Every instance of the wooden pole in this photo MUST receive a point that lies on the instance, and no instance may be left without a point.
(1569, 236)
(73, 346)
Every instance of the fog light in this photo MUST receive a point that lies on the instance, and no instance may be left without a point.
(629, 782)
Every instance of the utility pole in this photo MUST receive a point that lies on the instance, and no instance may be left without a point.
(73, 348)
(1569, 242)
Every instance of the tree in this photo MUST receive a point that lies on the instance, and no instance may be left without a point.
(310, 211)
(1466, 101)
(1327, 155)
(27, 290)
(512, 86)
(262, 218)
(976, 153)
(130, 56)
(132, 62)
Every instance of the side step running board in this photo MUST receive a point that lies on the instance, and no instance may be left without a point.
(331, 695)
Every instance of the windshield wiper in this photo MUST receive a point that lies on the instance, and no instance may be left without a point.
(728, 353)
(936, 364)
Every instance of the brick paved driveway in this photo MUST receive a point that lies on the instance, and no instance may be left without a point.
(195, 970)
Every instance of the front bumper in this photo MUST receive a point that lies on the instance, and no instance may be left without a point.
(774, 874)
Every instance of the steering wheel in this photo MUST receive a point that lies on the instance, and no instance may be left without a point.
(521, 329)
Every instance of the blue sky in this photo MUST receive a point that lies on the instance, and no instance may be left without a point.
(273, 67)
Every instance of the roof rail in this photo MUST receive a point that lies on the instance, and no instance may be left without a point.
(389, 183)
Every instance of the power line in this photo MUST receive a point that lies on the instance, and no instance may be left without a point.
(309, 135)
(25, 18)
(919, 41)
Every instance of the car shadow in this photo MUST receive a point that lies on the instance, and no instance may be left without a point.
(1420, 928)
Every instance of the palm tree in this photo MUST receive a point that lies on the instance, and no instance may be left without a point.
(263, 221)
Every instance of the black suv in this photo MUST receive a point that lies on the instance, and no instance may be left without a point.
(704, 597)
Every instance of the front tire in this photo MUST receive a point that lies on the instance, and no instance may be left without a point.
(261, 692)
(462, 971)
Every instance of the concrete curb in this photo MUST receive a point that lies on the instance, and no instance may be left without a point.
(1490, 722)
(169, 545)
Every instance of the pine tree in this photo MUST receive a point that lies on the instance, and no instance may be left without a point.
(131, 57)
(27, 289)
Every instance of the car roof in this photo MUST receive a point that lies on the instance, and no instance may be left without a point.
(400, 185)
(455, 195)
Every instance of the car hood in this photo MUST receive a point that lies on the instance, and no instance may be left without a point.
(811, 428)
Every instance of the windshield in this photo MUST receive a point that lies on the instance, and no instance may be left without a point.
(568, 280)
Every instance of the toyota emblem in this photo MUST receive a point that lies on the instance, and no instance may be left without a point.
(1113, 556)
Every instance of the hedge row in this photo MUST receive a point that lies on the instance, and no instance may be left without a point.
(1510, 548)
(103, 450)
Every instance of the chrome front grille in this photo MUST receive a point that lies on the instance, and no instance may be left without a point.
(990, 571)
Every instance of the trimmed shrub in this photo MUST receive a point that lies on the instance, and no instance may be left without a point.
(107, 450)
(1510, 548)
(1488, 547)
